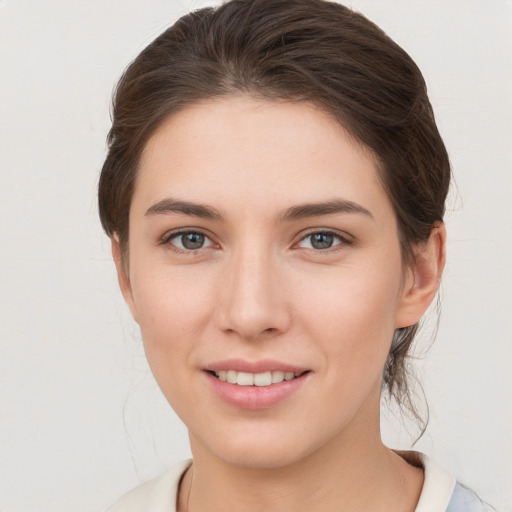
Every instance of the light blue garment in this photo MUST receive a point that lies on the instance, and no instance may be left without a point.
(465, 500)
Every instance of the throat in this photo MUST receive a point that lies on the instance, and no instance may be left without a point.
(337, 483)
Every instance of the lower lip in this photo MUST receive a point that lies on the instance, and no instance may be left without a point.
(255, 397)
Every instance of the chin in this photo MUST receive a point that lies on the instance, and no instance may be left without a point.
(262, 458)
(258, 450)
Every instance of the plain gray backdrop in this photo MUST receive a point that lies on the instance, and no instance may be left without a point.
(81, 420)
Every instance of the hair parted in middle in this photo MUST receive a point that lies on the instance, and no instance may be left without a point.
(297, 51)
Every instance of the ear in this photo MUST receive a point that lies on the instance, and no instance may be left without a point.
(123, 276)
(423, 277)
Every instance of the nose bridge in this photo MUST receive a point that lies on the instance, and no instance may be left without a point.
(252, 304)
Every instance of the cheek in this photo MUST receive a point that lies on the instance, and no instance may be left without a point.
(169, 299)
(352, 315)
(172, 308)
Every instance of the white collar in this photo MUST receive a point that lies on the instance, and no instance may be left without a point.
(438, 484)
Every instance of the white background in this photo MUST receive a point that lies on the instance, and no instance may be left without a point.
(81, 420)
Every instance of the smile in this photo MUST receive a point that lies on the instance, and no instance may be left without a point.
(255, 379)
(256, 390)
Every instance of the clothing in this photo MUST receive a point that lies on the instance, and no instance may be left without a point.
(440, 493)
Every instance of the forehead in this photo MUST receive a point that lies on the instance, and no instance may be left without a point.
(236, 150)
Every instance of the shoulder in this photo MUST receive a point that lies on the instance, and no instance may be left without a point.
(157, 495)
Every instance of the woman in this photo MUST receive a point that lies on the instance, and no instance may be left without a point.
(274, 191)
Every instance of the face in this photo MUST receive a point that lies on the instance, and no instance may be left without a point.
(266, 276)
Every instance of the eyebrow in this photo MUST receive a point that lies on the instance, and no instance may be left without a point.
(297, 212)
(330, 207)
(170, 205)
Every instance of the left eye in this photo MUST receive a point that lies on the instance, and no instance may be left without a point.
(321, 240)
(190, 240)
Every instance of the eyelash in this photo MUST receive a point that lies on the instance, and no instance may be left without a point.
(168, 238)
(342, 240)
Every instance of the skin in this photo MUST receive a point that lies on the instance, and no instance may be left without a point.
(259, 289)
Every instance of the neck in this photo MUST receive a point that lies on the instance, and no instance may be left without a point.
(354, 472)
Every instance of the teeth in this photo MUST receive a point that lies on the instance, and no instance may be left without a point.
(245, 379)
(255, 379)
(277, 377)
(263, 379)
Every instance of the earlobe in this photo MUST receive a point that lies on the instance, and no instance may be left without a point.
(423, 278)
(123, 277)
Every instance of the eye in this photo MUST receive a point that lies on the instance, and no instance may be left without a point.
(189, 240)
(322, 240)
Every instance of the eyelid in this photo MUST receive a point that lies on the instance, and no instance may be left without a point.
(166, 239)
(344, 238)
(168, 236)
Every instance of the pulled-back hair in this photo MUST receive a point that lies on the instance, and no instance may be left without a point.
(293, 50)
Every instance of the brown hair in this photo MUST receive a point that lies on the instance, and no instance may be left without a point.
(294, 50)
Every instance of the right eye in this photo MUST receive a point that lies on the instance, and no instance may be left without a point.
(187, 241)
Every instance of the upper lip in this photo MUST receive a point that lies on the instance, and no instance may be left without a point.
(260, 366)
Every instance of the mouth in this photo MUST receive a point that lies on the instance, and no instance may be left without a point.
(256, 385)
(263, 379)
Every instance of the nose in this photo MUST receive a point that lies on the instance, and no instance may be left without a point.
(252, 300)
